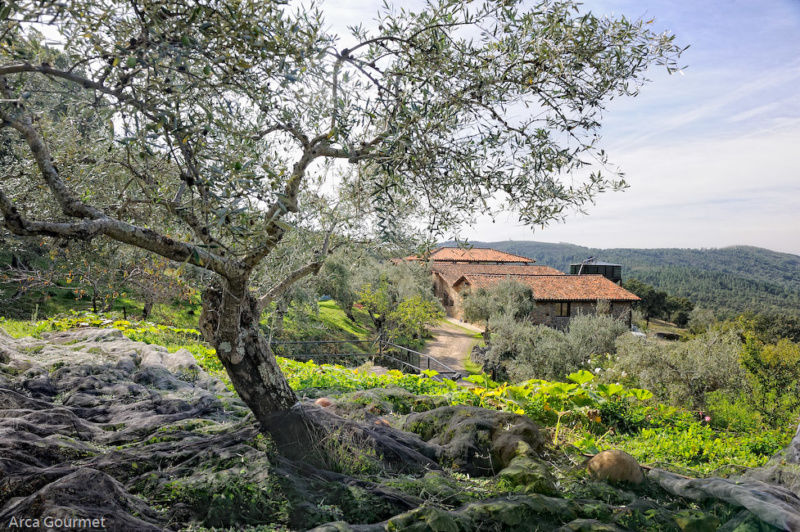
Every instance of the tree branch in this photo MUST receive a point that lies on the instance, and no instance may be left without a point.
(96, 222)
(70, 205)
(293, 131)
(84, 82)
(286, 202)
(312, 268)
(123, 232)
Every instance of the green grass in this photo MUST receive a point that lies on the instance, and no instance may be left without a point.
(18, 328)
(50, 302)
(328, 324)
(471, 367)
(332, 316)
(470, 332)
(54, 302)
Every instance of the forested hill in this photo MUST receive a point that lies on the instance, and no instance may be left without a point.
(729, 280)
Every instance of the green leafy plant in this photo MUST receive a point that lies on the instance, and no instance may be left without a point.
(700, 449)
(773, 378)
(583, 412)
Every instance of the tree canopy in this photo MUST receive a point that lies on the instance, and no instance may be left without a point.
(509, 297)
(204, 131)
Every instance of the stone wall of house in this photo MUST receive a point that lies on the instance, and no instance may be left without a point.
(457, 295)
(622, 310)
(449, 298)
(545, 312)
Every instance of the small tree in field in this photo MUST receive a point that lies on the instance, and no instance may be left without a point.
(413, 316)
(194, 131)
(156, 281)
(398, 298)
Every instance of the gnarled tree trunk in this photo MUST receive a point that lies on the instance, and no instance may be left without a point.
(282, 308)
(229, 322)
(148, 307)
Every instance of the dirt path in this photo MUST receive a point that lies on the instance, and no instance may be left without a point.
(451, 345)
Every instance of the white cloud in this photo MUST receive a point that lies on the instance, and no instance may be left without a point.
(701, 194)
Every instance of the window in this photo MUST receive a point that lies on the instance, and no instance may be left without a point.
(562, 309)
(448, 302)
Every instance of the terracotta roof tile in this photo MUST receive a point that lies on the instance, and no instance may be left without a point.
(473, 255)
(557, 287)
(451, 272)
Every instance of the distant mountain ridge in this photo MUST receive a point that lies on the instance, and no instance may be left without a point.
(729, 280)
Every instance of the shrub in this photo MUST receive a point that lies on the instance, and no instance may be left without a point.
(700, 320)
(594, 335)
(681, 373)
(520, 351)
(638, 319)
(508, 298)
(732, 411)
(773, 379)
(525, 351)
(681, 318)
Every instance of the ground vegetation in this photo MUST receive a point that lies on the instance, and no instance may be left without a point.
(181, 451)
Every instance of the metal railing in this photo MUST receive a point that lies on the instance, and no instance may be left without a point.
(332, 351)
(379, 351)
(415, 360)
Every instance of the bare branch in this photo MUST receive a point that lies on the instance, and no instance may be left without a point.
(312, 268)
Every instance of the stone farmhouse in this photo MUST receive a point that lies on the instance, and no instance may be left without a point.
(559, 296)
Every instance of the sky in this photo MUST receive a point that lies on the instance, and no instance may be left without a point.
(712, 154)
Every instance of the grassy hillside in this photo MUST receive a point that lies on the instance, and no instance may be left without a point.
(728, 280)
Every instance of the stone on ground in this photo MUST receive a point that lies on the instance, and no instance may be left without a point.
(615, 466)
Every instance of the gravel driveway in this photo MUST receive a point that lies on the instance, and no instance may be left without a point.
(451, 345)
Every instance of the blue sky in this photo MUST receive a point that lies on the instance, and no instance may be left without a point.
(712, 155)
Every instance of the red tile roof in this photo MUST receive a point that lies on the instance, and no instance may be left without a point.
(473, 255)
(451, 272)
(557, 287)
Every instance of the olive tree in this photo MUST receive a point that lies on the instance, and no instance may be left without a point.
(397, 298)
(194, 128)
(520, 350)
(508, 298)
(683, 373)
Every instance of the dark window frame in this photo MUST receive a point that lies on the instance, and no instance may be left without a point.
(563, 309)
(448, 301)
